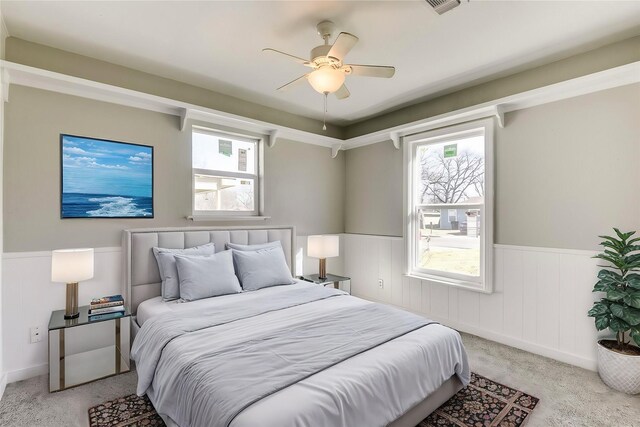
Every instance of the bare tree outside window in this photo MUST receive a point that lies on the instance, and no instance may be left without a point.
(450, 180)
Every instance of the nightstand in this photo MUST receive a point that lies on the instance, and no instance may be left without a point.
(338, 282)
(81, 351)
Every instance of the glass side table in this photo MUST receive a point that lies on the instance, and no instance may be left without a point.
(83, 350)
(339, 282)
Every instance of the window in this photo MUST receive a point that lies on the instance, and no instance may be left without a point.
(450, 205)
(225, 174)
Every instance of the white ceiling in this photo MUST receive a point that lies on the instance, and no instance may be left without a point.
(218, 45)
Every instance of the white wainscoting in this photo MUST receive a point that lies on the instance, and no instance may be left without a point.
(29, 297)
(539, 304)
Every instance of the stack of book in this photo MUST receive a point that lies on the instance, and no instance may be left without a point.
(105, 308)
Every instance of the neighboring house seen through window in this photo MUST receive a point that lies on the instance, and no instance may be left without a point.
(225, 174)
(450, 203)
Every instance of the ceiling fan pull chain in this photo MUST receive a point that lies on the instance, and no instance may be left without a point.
(324, 118)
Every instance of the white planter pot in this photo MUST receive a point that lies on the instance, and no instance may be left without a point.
(619, 371)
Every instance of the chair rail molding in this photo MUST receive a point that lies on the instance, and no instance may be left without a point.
(539, 302)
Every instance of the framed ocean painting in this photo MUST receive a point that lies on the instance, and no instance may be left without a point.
(105, 179)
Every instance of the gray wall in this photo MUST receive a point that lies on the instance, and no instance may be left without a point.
(565, 172)
(303, 184)
(374, 190)
(569, 170)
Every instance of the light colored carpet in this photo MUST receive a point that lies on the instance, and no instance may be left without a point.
(569, 396)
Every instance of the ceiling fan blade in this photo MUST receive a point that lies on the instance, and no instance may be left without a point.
(342, 92)
(343, 44)
(293, 83)
(372, 70)
(295, 58)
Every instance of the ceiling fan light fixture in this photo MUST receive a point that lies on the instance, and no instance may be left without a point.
(326, 79)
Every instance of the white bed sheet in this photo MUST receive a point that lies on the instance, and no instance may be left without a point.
(387, 380)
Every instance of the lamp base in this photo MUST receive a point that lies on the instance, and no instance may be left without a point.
(71, 309)
(322, 269)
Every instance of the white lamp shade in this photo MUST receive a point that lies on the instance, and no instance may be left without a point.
(71, 265)
(326, 79)
(323, 246)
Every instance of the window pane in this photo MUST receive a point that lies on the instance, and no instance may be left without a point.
(219, 193)
(223, 154)
(450, 172)
(449, 240)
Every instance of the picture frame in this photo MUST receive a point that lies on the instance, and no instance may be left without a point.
(102, 178)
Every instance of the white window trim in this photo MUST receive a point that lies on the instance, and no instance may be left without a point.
(485, 283)
(258, 177)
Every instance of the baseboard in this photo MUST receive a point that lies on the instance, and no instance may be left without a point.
(26, 373)
(551, 353)
(3, 383)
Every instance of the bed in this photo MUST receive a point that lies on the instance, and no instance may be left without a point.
(395, 381)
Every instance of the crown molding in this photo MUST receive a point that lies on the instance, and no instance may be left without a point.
(24, 75)
(13, 73)
(607, 79)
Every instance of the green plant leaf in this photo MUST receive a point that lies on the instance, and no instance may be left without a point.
(602, 286)
(635, 334)
(633, 280)
(618, 325)
(602, 322)
(624, 236)
(632, 299)
(609, 275)
(617, 310)
(632, 262)
(613, 246)
(632, 241)
(630, 248)
(611, 239)
(613, 254)
(615, 295)
(628, 314)
(598, 309)
(632, 316)
(618, 262)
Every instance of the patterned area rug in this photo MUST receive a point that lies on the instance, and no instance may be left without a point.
(129, 411)
(484, 403)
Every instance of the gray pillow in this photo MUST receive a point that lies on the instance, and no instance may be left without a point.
(262, 268)
(206, 276)
(259, 246)
(169, 271)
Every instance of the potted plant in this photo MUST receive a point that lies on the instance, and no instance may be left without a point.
(619, 311)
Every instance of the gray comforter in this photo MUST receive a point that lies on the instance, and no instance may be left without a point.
(202, 377)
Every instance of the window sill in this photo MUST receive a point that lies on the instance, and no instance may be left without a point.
(197, 218)
(469, 286)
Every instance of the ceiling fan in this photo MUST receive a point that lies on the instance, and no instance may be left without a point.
(327, 61)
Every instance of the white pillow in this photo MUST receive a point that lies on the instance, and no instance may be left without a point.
(206, 276)
(262, 268)
(169, 271)
(239, 247)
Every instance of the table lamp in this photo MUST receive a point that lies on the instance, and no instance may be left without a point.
(71, 266)
(323, 247)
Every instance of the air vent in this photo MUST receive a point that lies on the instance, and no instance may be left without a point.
(442, 6)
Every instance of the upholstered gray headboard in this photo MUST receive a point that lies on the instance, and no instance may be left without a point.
(142, 278)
